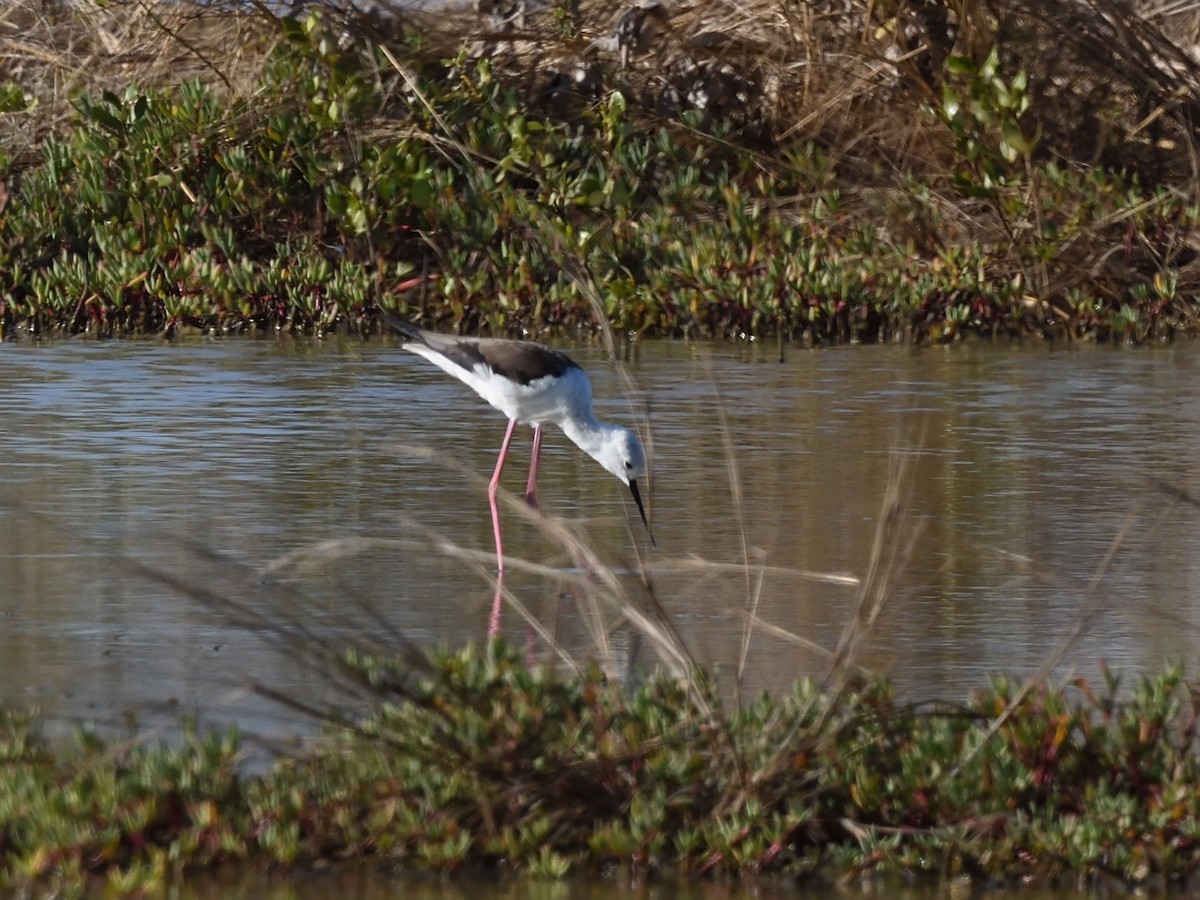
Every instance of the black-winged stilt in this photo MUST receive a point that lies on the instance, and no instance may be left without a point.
(531, 383)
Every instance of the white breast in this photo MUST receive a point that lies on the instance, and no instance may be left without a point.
(541, 401)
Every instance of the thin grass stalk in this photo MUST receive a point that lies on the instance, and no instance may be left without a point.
(1088, 606)
(737, 504)
(891, 550)
(605, 591)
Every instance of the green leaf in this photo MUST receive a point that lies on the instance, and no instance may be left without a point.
(421, 192)
(12, 98)
(293, 30)
(1014, 138)
(960, 65)
(951, 102)
(991, 65)
(336, 201)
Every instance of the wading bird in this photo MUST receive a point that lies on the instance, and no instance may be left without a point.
(531, 383)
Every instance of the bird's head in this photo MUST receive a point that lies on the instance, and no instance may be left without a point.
(621, 453)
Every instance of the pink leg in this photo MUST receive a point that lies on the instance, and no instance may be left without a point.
(493, 486)
(531, 500)
(531, 486)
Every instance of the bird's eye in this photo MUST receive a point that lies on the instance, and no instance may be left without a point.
(628, 464)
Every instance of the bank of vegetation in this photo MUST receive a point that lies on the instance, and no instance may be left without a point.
(829, 171)
(476, 765)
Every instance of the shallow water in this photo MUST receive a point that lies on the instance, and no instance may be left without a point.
(146, 485)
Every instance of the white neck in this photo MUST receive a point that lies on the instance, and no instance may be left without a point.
(595, 438)
(586, 432)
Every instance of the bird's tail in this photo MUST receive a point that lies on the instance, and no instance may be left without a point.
(408, 329)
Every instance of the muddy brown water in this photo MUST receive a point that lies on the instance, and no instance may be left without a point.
(294, 476)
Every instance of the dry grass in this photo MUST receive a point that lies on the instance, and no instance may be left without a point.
(1115, 82)
(56, 50)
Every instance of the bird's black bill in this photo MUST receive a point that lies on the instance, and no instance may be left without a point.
(637, 498)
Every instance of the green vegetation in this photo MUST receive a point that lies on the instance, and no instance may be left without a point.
(887, 171)
(480, 762)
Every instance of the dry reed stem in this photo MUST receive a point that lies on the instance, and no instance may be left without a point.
(891, 550)
(693, 563)
(750, 602)
(597, 584)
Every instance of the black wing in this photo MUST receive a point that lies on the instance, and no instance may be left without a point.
(520, 361)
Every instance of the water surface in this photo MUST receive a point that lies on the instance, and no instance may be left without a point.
(295, 477)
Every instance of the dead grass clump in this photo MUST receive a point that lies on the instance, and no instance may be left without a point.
(54, 50)
(1113, 83)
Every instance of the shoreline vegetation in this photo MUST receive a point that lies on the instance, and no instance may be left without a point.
(478, 765)
(906, 170)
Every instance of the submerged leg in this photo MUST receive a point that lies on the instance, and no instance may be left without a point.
(493, 486)
(531, 486)
(497, 602)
